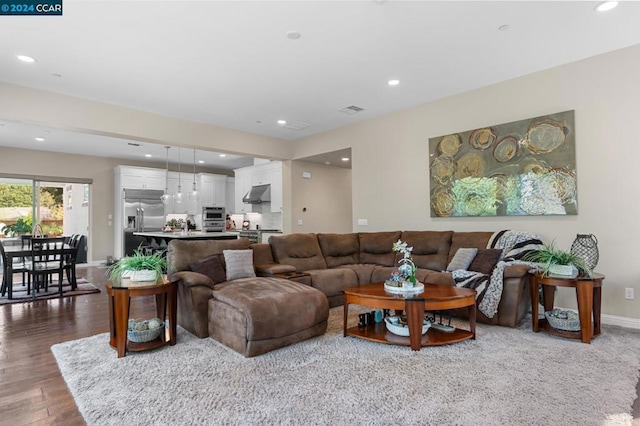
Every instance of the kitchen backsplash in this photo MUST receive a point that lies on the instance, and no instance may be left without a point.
(265, 220)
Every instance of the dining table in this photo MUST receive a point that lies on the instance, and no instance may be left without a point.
(15, 251)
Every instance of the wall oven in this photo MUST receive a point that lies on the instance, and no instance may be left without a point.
(213, 219)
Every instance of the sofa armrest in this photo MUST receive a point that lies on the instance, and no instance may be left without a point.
(269, 269)
(192, 279)
(516, 271)
(194, 292)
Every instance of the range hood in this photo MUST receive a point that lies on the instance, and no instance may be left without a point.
(258, 194)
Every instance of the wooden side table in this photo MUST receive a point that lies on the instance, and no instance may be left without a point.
(589, 296)
(120, 294)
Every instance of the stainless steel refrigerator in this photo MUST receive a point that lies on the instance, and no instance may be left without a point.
(143, 212)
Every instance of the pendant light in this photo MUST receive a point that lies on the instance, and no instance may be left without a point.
(166, 197)
(178, 197)
(194, 194)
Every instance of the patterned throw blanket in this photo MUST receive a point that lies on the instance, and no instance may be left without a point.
(515, 245)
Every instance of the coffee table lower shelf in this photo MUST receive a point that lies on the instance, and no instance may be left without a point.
(379, 333)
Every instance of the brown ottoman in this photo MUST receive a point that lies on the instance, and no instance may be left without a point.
(253, 316)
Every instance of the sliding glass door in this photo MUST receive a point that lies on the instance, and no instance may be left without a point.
(59, 208)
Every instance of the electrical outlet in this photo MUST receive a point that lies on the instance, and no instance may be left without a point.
(628, 293)
(299, 222)
(363, 222)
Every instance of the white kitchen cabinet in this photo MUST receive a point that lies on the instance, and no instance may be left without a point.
(230, 198)
(242, 186)
(213, 190)
(141, 177)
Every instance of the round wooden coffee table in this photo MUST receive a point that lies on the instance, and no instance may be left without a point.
(434, 298)
(120, 292)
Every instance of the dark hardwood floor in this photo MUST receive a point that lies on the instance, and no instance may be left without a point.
(32, 390)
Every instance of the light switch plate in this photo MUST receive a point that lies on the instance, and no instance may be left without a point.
(299, 221)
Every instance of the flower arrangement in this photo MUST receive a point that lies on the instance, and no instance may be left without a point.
(406, 272)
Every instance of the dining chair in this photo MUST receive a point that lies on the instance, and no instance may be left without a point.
(47, 258)
(18, 266)
(71, 259)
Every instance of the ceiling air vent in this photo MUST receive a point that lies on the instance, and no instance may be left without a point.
(133, 144)
(351, 109)
(296, 125)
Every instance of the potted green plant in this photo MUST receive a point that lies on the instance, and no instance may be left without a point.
(558, 262)
(20, 227)
(139, 266)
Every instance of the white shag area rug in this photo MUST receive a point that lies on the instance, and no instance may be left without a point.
(505, 377)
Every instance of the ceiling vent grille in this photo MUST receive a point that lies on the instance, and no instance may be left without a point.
(351, 109)
(133, 144)
(296, 125)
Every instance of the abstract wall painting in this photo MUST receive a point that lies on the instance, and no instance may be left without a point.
(522, 168)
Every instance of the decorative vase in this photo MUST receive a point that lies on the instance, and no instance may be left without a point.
(586, 247)
(144, 275)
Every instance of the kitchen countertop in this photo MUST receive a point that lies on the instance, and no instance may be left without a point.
(191, 235)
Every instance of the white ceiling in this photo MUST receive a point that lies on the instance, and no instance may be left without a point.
(230, 63)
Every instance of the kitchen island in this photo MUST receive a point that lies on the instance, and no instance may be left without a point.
(159, 240)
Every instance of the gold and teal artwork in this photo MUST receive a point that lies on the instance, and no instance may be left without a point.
(522, 168)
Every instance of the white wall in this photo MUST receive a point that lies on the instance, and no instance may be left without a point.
(391, 175)
(326, 197)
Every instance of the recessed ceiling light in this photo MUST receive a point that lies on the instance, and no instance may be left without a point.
(503, 28)
(282, 122)
(393, 82)
(148, 155)
(605, 5)
(201, 161)
(223, 155)
(328, 163)
(345, 158)
(40, 139)
(25, 58)
(293, 35)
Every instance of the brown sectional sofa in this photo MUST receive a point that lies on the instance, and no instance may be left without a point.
(339, 261)
(259, 314)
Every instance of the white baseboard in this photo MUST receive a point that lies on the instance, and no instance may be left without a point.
(620, 321)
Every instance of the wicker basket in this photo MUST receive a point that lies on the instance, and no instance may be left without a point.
(141, 336)
(563, 319)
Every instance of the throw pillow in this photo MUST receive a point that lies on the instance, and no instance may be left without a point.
(212, 267)
(485, 260)
(239, 264)
(462, 259)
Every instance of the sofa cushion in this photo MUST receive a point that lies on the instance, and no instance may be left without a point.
(239, 264)
(339, 249)
(478, 240)
(332, 281)
(212, 267)
(266, 308)
(462, 259)
(485, 260)
(299, 250)
(377, 247)
(182, 253)
(430, 248)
